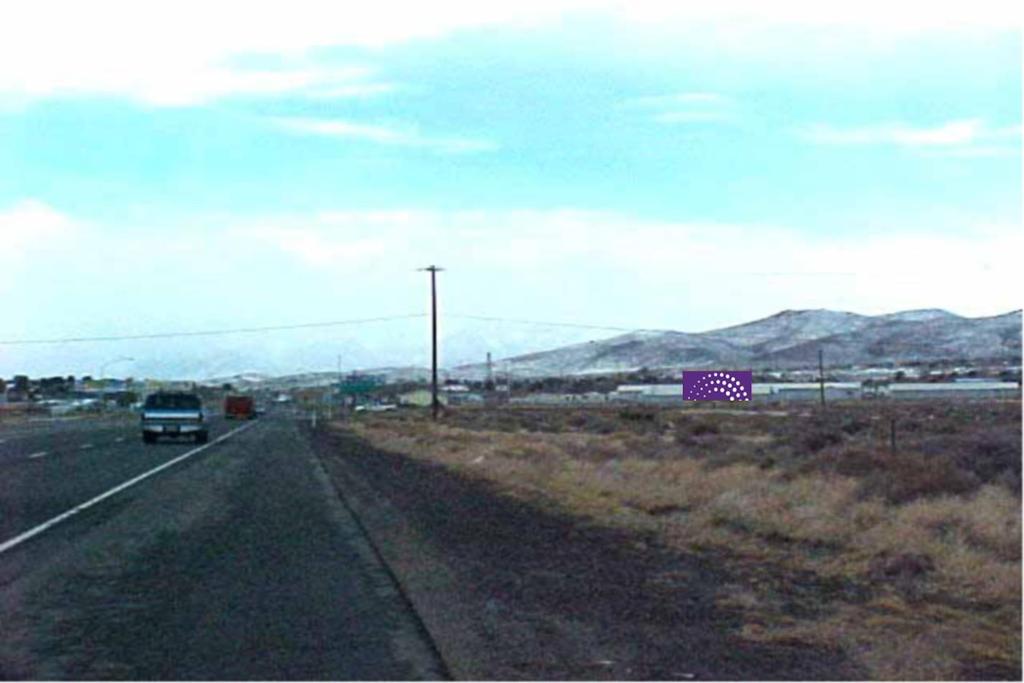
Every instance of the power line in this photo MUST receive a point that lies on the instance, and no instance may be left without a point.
(210, 333)
(333, 323)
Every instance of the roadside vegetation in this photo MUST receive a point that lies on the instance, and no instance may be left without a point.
(906, 558)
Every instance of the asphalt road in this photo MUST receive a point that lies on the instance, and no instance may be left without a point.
(236, 563)
(50, 466)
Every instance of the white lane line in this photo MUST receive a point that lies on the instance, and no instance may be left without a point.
(35, 531)
(38, 454)
(119, 439)
(86, 445)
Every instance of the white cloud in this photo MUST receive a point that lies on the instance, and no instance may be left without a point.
(532, 247)
(691, 116)
(900, 18)
(171, 80)
(974, 152)
(355, 90)
(952, 133)
(33, 235)
(178, 53)
(31, 225)
(205, 84)
(685, 107)
(385, 135)
(316, 248)
(776, 267)
(676, 99)
(965, 138)
(175, 53)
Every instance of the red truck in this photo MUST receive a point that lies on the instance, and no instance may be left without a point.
(239, 408)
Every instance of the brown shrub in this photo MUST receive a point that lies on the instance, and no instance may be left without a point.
(888, 566)
(852, 424)
(594, 423)
(698, 436)
(992, 455)
(702, 428)
(902, 477)
(637, 415)
(850, 461)
(818, 438)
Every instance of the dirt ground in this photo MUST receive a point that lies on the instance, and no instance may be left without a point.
(515, 590)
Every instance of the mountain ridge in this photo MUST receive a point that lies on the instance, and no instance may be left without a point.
(788, 339)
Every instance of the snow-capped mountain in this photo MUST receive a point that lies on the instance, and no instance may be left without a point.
(790, 339)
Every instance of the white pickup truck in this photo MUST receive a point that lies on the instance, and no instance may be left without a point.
(173, 413)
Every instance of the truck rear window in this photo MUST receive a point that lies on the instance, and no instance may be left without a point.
(173, 401)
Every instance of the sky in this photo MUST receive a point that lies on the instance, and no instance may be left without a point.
(196, 166)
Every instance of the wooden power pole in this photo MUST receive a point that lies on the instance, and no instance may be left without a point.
(435, 405)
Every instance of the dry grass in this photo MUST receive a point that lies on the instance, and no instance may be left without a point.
(932, 547)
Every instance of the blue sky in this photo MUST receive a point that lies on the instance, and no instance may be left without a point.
(592, 162)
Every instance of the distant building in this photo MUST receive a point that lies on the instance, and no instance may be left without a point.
(807, 391)
(649, 393)
(421, 398)
(465, 398)
(312, 395)
(541, 398)
(956, 390)
(460, 394)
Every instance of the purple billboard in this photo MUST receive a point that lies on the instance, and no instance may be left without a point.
(718, 385)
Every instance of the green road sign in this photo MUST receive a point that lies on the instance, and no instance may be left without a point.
(351, 386)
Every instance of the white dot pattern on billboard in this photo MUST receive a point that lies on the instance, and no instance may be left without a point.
(717, 386)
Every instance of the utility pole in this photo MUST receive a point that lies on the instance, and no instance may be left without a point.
(434, 404)
(489, 384)
(339, 398)
(821, 376)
